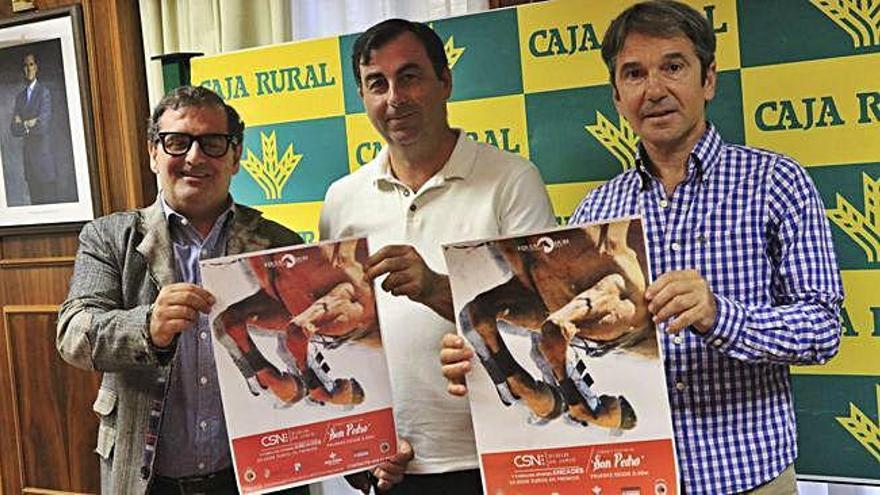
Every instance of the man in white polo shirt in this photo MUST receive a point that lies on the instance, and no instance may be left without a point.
(428, 186)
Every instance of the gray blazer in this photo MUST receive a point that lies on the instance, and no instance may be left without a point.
(123, 261)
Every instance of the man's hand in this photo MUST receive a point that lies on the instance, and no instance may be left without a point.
(409, 275)
(390, 472)
(455, 357)
(30, 123)
(177, 309)
(683, 298)
(17, 119)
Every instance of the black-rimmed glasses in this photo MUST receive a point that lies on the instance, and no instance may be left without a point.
(179, 143)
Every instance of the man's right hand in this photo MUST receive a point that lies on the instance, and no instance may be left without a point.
(177, 309)
(455, 357)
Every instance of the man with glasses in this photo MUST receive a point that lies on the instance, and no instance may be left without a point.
(136, 311)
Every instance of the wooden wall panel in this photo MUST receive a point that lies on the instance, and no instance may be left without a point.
(51, 448)
(54, 430)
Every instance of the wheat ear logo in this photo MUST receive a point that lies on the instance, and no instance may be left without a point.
(859, 18)
(620, 142)
(860, 426)
(453, 53)
(271, 173)
(862, 227)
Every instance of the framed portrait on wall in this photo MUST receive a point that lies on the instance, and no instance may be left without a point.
(47, 168)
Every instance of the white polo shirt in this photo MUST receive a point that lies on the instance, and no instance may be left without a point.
(480, 192)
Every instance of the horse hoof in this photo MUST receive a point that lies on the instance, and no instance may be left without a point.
(627, 414)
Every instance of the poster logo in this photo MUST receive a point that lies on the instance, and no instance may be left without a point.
(860, 426)
(453, 53)
(271, 173)
(862, 227)
(621, 141)
(859, 18)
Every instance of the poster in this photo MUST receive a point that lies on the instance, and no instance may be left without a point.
(568, 392)
(302, 372)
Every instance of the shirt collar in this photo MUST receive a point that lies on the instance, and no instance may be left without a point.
(703, 158)
(459, 166)
(176, 220)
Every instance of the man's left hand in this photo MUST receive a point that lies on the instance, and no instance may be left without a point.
(683, 298)
(390, 472)
(409, 275)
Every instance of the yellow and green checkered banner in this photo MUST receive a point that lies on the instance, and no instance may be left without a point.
(801, 77)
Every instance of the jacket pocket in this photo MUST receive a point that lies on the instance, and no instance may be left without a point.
(105, 407)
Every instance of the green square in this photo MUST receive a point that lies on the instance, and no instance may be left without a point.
(846, 180)
(322, 144)
(778, 31)
(825, 447)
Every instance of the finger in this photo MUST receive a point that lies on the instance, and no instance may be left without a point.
(390, 251)
(666, 294)
(675, 306)
(683, 320)
(396, 279)
(665, 280)
(452, 356)
(193, 297)
(456, 389)
(387, 265)
(452, 341)
(411, 289)
(175, 312)
(456, 373)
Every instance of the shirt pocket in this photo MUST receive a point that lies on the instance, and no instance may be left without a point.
(105, 407)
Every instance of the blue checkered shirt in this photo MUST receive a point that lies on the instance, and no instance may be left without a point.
(752, 223)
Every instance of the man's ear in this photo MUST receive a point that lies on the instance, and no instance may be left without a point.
(236, 156)
(152, 149)
(710, 82)
(446, 80)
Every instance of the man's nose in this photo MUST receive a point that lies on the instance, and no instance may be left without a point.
(195, 153)
(397, 94)
(655, 87)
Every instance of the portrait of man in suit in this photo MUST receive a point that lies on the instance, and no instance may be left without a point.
(31, 122)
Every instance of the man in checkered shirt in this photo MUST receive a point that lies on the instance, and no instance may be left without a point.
(746, 280)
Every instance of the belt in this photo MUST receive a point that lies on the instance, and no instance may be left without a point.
(220, 482)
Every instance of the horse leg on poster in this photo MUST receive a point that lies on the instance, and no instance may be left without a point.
(596, 307)
(263, 311)
(315, 371)
(518, 305)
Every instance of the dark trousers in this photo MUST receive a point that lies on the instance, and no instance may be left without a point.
(454, 483)
(220, 483)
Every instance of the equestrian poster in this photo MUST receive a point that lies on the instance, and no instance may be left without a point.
(569, 395)
(302, 371)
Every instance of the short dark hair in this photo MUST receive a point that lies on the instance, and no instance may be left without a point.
(386, 31)
(195, 96)
(663, 18)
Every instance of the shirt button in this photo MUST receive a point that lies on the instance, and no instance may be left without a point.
(678, 339)
(203, 425)
(203, 380)
(718, 343)
(203, 335)
(664, 203)
(679, 386)
(406, 192)
(412, 207)
(675, 246)
(201, 465)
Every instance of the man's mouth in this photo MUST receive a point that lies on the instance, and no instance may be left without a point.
(194, 174)
(656, 114)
